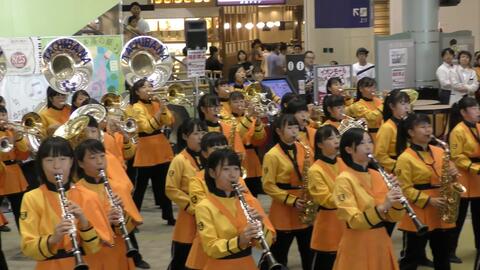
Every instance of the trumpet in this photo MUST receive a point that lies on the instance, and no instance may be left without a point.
(130, 127)
(131, 250)
(5, 145)
(267, 254)
(421, 228)
(77, 254)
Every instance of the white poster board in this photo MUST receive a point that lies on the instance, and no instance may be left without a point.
(196, 63)
(324, 73)
(22, 55)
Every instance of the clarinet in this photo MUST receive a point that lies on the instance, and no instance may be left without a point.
(272, 263)
(131, 250)
(77, 254)
(421, 228)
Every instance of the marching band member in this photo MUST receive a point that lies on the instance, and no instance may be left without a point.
(57, 111)
(286, 99)
(364, 202)
(282, 180)
(183, 167)
(465, 147)
(419, 169)
(154, 152)
(79, 98)
(299, 109)
(44, 231)
(334, 110)
(223, 90)
(210, 142)
(258, 75)
(208, 109)
(253, 133)
(327, 229)
(116, 170)
(226, 235)
(12, 181)
(334, 87)
(397, 105)
(237, 76)
(91, 158)
(367, 105)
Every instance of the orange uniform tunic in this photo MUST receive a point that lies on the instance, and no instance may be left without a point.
(385, 143)
(12, 179)
(198, 191)
(365, 244)
(220, 220)
(226, 129)
(182, 169)
(308, 137)
(226, 111)
(253, 136)
(282, 182)
(114, 144)
(40, 214)
(113, 257)
(153, 147)
(465, 151)
(371, 111)
(51, 116)
(336, 124)
(327, 229)
(418, 172)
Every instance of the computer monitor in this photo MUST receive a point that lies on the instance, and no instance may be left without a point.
(280, 85)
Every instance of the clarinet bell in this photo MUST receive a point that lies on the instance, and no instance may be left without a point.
(131, 250)
(422, 229)
(81, 266)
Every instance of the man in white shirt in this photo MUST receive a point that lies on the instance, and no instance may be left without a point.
(142, 25)
(362, 68)
(466, 75)
(447, 76)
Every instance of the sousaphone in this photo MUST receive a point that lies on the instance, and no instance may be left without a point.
(67, 65)
(146, 57)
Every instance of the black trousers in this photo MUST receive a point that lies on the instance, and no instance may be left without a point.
(414, 248)
(157, 174)
(131, 171)
(15, 200)
(254, 184)
(28, 170)
(323, 260)
(3, 261)
(179, 255)
(284, 240)
(462, 214)
(137, 257)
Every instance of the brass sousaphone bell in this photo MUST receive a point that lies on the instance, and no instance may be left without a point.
(67, 65)
(146, 57)
(97, 111)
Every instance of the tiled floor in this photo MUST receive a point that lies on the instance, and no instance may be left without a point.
(155, 237)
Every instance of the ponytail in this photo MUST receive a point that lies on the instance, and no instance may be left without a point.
(412, 120)
(455, 112)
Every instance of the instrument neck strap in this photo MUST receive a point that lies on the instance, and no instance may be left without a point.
(473, 130)
(431, 165)
(287, 149)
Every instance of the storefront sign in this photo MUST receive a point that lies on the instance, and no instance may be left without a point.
(343, 14)
(196, 63)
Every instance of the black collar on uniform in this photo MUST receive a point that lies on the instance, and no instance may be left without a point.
(327, 159)
(367, 99)
(470, 124)
(395, 120)
(287, 147)
(224, 99)
(417, 147)
(237, 86)
(145, 101)
(53, 187)
(196, 157)
(92, 180)
(216, 191)
(212, 124)
(358, 168)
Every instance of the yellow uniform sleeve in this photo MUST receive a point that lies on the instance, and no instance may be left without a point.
(457, 145)
(270, 164)
(395, 213)
(361, 111)
(404, 173)
(147, 123)
(348, 209)
(385, 135)
(33, 244)
(174, 182)
(90, 240)
(319, 189)
(129, 150)
(212, 245)
(197, 192)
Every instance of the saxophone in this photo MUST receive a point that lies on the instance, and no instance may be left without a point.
(450, 188)
(307, 216)
(231, 142)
